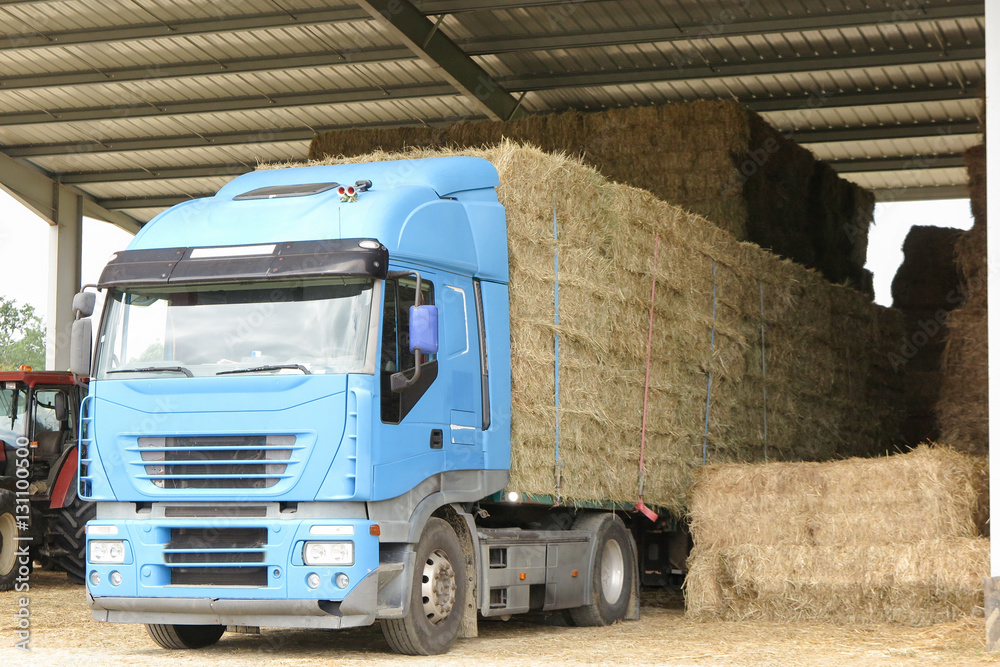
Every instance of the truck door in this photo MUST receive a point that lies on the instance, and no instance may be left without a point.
(435, 425)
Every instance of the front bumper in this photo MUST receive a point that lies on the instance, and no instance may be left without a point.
(197, 570)
(356, 609)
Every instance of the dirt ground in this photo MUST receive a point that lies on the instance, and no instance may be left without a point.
(63, 633)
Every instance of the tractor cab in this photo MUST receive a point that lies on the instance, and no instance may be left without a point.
(39, 412)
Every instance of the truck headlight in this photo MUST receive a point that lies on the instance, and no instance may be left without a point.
(107, 551)
(328, 553)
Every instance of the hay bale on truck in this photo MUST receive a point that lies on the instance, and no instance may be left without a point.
(715, 158)
(894, 539)
(721, 308)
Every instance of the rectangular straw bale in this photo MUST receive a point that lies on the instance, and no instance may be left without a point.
(963, 406)
(830, 387)
(926, 494)
(893, 539)
(914, 583)
(714, 158)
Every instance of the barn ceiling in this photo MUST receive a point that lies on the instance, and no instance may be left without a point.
(139, 104)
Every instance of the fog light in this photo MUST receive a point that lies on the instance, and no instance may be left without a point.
(341, 580)
(116, 578)
(313, 580)
(95, 578)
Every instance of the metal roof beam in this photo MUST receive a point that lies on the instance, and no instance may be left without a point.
(505, 44)
(872, 132)
(268, 136)
(286, 135)
(244, 103)
(206, 68)
(535, 82)
(961, 90)
(900, 163)
(154, 173)
(617, 77)
(155, 201)
(263, 21)
(405, 22)
(39, 192)
(702, 30)
(921, 193)
(199, 26)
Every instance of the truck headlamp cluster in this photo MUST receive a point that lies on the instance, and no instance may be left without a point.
(328, 553)
(107, 551)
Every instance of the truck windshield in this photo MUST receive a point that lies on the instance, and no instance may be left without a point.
(171, 331)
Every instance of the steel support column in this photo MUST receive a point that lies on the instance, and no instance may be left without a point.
(992, 583)
(65, 251)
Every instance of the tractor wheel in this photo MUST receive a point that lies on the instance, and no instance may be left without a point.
(66, 536)
(437, 599)
(185, 636)
(614, 570)
(9, 544)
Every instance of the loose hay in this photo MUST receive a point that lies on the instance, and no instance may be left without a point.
(831, 390)
(717, 159)
(894, 539)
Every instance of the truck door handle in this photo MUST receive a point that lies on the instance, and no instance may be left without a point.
(437, 438)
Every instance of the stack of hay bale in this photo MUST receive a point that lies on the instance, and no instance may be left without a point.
(722, 307)
(717, 159)
(925, 288)
(895, 539)
(963, 407)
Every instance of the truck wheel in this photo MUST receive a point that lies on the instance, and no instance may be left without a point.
(185, 636)
(66, 536)
(614, 570)
(437, 599)
(9, 532)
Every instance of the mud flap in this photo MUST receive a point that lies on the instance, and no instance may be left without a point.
(632, 613)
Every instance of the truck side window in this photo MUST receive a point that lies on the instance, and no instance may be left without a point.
(396, 356)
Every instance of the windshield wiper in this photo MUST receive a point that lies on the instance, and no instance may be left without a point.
(151, 369)
(271, 367)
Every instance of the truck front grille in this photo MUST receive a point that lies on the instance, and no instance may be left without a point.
(216, 462)
(217, 557)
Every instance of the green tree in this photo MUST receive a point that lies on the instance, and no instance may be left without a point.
(22, 336)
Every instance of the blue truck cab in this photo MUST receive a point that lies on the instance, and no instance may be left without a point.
(300, 406)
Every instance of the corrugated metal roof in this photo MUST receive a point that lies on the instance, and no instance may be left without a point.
(141, 103)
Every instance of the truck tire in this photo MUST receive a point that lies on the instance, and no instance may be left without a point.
(9, 532)
(437, 599)
(66, 536)
(185, 636)
(613, 573)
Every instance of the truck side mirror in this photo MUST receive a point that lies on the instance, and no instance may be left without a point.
(424, 329)
(423, 340)
(80, 346)
(81, 341)
(83, 304)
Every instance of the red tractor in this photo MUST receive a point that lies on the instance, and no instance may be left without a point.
(39, 506)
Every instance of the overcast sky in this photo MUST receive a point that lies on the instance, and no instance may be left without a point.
(24, 242)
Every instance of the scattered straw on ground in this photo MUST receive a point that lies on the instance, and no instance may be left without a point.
(64, 634)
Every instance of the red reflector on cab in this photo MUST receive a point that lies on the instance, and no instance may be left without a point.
(374, 529)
